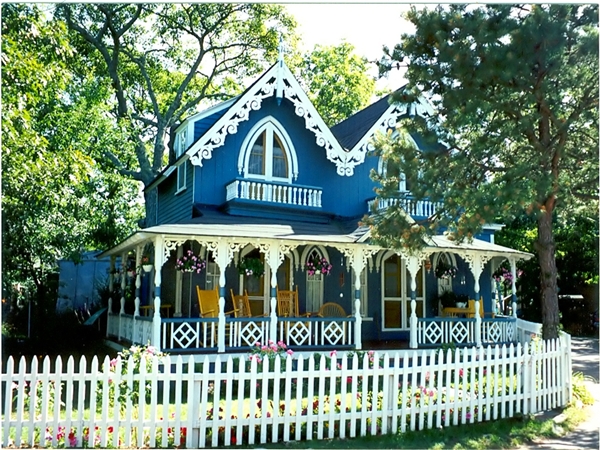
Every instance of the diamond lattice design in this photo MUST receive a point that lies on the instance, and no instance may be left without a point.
(510, 331)
(333, 333)
(459, 332)
(433, 333)
(298, 333)
(184, 335)
(251, 334)
(494, 333)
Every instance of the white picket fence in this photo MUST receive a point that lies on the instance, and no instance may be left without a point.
(200, 402)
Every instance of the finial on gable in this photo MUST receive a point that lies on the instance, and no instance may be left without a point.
(279, 93)
(281, 49)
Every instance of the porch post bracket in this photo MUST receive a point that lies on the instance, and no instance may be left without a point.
(412, 265)
(476, 263)
(169, 245)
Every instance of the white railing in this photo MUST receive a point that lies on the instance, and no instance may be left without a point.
(135, 329)
(265, 191)
(452, 330)
(189, 334)
(423, 208)
(215, 402)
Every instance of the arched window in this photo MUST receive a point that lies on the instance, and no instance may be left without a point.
(267, 153)
(314, 283)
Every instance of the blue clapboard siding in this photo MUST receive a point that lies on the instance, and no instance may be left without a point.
(175, 208)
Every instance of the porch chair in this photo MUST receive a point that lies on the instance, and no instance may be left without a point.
(471, 308)
(331, 309)
(287, 304)
(241, 303)
(208, 301)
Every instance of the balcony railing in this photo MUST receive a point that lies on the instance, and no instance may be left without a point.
(265, 191)
(423, 208)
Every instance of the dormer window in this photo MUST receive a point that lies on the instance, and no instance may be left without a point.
(267, 153)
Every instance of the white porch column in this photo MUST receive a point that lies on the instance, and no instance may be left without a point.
(358, 262)
(111, 286)
(412, 265)
(123, 287)
(513, 271)
(178, 285)
(159, 260)
(138, 280)
(222, 251)
(476, 262)
(274, 258)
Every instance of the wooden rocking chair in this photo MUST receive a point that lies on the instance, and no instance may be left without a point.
(331, 309)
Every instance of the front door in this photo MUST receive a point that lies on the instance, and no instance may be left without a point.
(396, 294)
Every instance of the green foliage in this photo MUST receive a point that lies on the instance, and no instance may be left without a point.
(515, 90)
(57, 199)
(163, 62)
(336, 81)
(130, 361)
(580, 391)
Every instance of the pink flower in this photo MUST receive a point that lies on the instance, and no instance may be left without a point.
(333, 353)
(290, 352)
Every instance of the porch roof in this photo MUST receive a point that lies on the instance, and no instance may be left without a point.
(333, 233)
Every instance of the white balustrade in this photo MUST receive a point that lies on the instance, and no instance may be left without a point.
(423, 208)
(274, 193)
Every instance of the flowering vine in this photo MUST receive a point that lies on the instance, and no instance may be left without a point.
(190, 262)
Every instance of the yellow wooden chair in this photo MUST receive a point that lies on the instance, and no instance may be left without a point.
(331, 309)
(208, 301)
(241, 303)
(287, 304)
(471, 308)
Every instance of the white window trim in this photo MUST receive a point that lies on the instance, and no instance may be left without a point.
(271, 125)
(180, 148)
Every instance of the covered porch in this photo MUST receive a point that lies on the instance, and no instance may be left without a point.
(170, 322)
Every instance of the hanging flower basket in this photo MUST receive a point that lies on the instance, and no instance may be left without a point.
(251, 267)
(190, 263)
(318, 265)
(444, 270)
(146, 264)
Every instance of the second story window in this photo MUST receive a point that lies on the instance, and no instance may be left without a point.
(180, 147)
(267, 153)
(391, 169)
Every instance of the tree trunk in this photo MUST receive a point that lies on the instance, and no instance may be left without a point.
(548, 284)
(150, 202)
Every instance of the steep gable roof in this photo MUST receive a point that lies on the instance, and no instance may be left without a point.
(357, 131)
(278, 81)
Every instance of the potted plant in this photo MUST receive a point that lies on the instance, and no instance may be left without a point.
(318, 265)
(146, 263)
(190, 263)
(251, 267)
(445, 270)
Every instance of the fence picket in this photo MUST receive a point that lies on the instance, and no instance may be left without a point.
(227, 411)
(193, 404)
(300, 377)
(9, 395)
(21, 380)
(276, 403)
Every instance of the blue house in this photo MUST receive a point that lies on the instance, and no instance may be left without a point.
(259, 191)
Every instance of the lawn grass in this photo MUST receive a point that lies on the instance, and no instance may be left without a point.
(503, 433)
